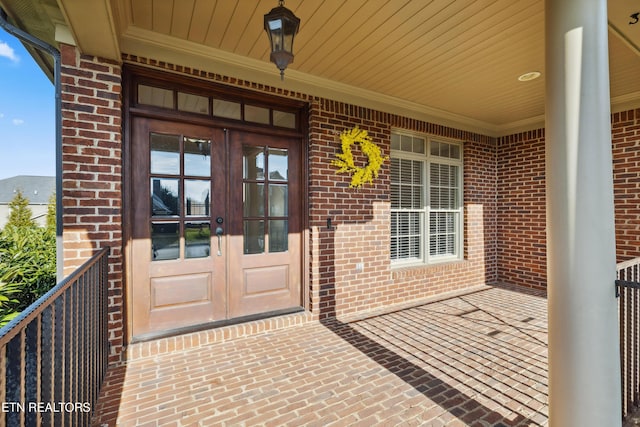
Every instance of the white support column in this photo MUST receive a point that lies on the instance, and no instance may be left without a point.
(584, 365)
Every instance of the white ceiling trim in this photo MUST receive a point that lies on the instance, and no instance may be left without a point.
(630, 101)
(519, 126)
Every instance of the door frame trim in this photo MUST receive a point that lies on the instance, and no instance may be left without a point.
(132, 75)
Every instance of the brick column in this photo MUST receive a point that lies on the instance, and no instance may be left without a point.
(92, 172)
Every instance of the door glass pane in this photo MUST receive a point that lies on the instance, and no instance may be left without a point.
(165, 154)
(165, 240)
(284, 119)
(278, 200)
(155, 96)
(253, 199)
(278, 235)
(230, 110)
(197, 197)
(197, 239)
(253, 162)
(278, 164)
(256, 114)
(197, 157)
(165, 200)
(254, 237)
(193, 103)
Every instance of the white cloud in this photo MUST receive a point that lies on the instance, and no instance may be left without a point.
(18, 122)
(8, 52)
(1, 115)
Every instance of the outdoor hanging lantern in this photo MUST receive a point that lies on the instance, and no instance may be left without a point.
(281, 25)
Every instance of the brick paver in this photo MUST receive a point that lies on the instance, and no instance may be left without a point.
(475, 360)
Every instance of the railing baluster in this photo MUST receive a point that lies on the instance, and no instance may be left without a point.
(31, 371)
(13, 376)
(69, 350)
(635, 359)
(56, 352)
(82, 338)
(93, 395)
(622, 334)
(3, 383)
(46, 361)
(630, 349)
(628, 287)
(628, 354)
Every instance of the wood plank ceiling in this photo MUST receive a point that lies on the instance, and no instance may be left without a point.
(457, 58)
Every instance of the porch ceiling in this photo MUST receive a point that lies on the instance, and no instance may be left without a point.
(454, 61)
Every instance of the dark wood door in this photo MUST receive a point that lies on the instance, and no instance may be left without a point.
(216, 225)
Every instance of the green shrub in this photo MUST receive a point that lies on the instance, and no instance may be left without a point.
(20, 214)
(27, 267)
(8, 302)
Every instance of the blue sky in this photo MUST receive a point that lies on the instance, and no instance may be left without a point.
(27, 122)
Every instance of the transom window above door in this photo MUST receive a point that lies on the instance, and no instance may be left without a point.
(426, 199)
(215, 106)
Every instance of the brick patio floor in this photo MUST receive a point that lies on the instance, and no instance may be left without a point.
(473, 360)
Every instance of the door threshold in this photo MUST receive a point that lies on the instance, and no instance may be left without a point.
(156, 343)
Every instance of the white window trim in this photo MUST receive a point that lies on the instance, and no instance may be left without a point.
(427, 159)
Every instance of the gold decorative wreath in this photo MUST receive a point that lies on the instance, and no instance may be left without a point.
(345, 163)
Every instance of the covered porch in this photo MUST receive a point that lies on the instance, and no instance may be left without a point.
(475, 359)
(501, 181)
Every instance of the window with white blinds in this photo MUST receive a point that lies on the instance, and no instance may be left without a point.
(426, 199)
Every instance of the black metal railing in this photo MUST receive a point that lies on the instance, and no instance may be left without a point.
(628, 291)
(54, 355)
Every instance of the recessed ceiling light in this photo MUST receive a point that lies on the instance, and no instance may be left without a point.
(529, 76)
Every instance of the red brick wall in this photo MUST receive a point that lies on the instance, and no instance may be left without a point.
(521, 200)
(361, 219)
(92, 172)
(626, 178)
(521, 210)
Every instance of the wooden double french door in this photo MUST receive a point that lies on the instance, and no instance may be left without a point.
(216, 225)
